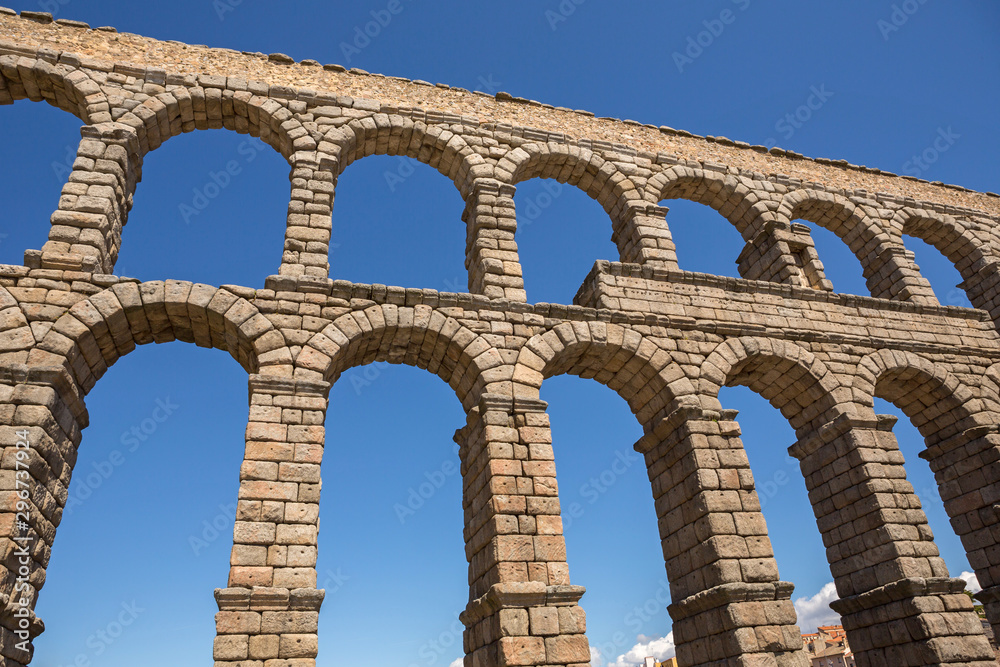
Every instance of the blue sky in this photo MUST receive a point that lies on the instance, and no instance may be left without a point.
(147, 537)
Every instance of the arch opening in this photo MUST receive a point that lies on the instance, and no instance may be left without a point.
(40, 143)
(389, 211)
(391, 519)
(156, 479)
(836, 260)
(944, 278)
(784, 501)
(706, 241)
(925, 486)
(206, 196)
(608, 515)
(554, 217)
(943, 416)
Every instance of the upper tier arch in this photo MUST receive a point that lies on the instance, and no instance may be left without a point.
(64, 87)
(383, 134)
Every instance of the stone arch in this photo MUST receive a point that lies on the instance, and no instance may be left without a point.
(639, 370)
(384, 134)
(885, 263)
(935, 401)
(990, 388)
(93, 243)
(419, 336)
(95, 332)
(14, 326)
(834, 212)
(306, 239)
(684, 462)
(582, 168)
(954, 240)
(599, 178)
(734, 198)
(788, 375)
(64, 87)
(960, 431)
(172, 113)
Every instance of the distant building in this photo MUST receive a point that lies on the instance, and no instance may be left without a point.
(651, 662)
(828, 647)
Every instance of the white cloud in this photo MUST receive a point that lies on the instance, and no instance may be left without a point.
(595, 657)
(815, 611)
(971, 582)
(660, 648)
(457, 662)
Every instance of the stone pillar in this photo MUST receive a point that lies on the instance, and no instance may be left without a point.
(967, 468)
(86, 229)
(522, 608)
(490, 249)
(898, 604)
(41, 415)
(310, 208)
(983, 289)
(270, 611)
(728, 605)
(892, 274)
(642, 236)
(783, 253)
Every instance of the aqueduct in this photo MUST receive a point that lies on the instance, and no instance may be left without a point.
(666, 340)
